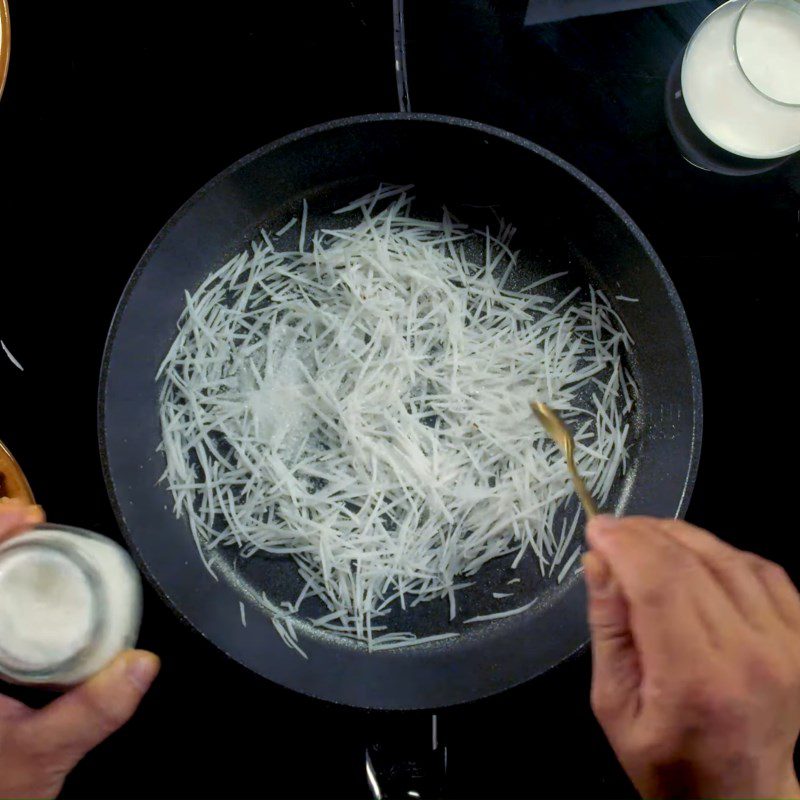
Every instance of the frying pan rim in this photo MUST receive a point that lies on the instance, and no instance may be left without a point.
(490, 130)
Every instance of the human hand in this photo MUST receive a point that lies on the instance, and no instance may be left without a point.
(38, 748)
(696, 660)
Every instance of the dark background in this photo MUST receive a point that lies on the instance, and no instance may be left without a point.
(115, 113)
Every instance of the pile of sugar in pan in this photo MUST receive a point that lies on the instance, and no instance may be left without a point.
(360, 404)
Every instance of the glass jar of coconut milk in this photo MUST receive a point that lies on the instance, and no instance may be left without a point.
(70, 601)
(740, 77)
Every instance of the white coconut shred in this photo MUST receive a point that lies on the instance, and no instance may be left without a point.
(361, 405)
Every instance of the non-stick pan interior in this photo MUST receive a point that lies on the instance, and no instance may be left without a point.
(563, 222)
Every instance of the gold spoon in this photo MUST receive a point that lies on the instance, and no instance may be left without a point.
(561, 435)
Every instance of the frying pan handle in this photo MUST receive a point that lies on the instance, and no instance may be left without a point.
(405, 756)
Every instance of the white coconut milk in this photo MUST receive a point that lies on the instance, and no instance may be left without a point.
(723, 101)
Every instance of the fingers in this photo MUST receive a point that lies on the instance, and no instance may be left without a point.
(616, 673)
(78, 721)
(759, 588)
(730, 567)
(671, 597)
(779, 588)
(16, 517)
(11, 709)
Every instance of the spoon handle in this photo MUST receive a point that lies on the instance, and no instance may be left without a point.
(580, 488)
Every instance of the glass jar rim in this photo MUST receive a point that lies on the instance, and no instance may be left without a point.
(15, 671)
(790, 4)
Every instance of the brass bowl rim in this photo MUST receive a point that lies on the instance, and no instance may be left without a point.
(5, 43)
(14, 463)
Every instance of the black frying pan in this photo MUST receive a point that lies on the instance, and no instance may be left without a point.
(564, 221)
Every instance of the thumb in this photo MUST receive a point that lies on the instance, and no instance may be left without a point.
(16, 516)
(615, 664)
(82, 718)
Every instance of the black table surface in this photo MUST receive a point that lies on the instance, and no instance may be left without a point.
(114, 113)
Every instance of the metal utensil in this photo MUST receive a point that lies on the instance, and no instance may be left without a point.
(561, 435)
